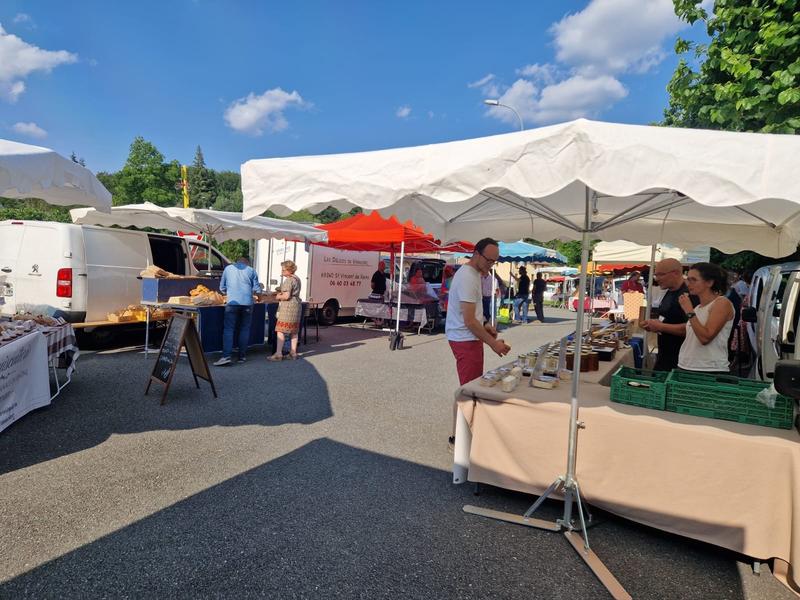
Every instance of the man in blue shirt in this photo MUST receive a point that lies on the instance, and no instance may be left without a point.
(239, 281)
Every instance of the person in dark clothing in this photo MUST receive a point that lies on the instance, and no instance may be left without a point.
(671, 322)
(378, 282)
(539, 286)
(521, 298)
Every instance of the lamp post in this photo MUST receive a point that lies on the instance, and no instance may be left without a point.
(489, 102)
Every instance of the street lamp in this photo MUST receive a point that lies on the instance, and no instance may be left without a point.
(488, 102)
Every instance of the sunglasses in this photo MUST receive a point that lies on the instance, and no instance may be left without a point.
(491, 261)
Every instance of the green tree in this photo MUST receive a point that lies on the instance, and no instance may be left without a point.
(202, 183)
(229, 191)
(748, 77)
(146, 177)
(32, 209)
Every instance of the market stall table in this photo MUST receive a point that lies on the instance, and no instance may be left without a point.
(24, 381)
(62, 352)
(424, 314)
(729, 484)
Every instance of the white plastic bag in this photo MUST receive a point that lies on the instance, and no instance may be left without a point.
(767, 396)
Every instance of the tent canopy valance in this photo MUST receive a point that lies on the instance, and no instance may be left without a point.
(220, 225)
(644, 184)
(35, 172)
(530, 253)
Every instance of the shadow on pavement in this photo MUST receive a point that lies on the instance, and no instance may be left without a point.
(330, 520)
(107, 397)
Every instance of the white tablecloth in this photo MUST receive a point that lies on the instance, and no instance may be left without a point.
(24, 380)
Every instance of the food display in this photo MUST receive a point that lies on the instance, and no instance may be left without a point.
(25, 323)
(42, 320)
(202, 296)
(155, 272)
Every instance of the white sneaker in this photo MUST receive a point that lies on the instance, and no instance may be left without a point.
(223, 361)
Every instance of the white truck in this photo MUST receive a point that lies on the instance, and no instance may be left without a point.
(333, 279)
(86, 272)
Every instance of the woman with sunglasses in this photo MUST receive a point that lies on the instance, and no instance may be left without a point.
(709, 323)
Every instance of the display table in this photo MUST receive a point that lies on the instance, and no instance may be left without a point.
(62, 353)
(210, 323)
(423, 314)
(593, 304)
(733, 485)
(24, 381)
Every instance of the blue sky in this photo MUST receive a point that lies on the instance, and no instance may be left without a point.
(262, 79)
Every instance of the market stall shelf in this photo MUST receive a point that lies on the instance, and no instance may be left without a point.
(424, 315)
(62, 353)
(683, 474)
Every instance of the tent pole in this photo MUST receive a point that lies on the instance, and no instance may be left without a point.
(568, 482)
(649, 302)
(400, 285)
(494, 295)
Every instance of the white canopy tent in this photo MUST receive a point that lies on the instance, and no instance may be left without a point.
(622, 252)
(581, 179)
(34, 172)
(219, 225)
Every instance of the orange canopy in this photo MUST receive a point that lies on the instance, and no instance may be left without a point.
(371, 232)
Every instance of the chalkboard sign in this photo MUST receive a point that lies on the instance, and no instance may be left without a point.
(181, 333)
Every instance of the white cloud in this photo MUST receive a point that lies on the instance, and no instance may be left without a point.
(431, 114)
(616, 36)
(18, 59)
(403, 112)
(29, 130)
(522, 96)
(578, 96)
(255, 114)
(482, 81)
(544, 74)
(24, 19)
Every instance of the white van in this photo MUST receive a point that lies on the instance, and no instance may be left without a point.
(775, 300)
(84, 271)
(334, 279)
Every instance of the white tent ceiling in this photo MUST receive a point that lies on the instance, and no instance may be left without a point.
(630, 253)
(34, 172)
(646, 184)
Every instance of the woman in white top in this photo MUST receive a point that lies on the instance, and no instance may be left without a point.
(709, 324)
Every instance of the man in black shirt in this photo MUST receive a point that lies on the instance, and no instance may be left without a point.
(522, 296)
(378, 281)
(671, 322)
(539, 286)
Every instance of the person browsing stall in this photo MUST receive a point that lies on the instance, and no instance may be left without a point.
(632, 284)
(378, 282)
(539, 287)
(709, 324)
(239, 281)
(465, 328)
(521, 298)
(290, 311)
(671, 322)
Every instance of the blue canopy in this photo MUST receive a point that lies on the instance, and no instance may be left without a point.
(524, 252)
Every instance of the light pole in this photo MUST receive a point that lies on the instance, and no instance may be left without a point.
(488, 102)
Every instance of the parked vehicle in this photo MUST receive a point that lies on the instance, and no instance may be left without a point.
(335, 279)
(773, 316)
(84, 271)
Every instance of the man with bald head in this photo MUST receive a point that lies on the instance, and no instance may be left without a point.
(671, 322)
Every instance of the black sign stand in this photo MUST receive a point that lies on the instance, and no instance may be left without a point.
(181, 333)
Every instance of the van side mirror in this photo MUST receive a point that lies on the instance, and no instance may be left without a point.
(749, 314)
(787, 378)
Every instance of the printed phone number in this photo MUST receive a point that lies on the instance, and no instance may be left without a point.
(340, 283)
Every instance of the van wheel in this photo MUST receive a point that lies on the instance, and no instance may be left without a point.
(329, 313)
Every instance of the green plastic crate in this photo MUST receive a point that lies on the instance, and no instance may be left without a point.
(726, 397)
(639, 387)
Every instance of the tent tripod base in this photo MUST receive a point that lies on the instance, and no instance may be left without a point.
(567, 525)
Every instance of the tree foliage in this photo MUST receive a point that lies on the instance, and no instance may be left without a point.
(748, 78)
(202, 183)
(146, 177)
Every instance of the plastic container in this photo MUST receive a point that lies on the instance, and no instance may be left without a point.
(639, 387)
(726, 397)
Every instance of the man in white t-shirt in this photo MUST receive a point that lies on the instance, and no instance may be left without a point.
(465, 328)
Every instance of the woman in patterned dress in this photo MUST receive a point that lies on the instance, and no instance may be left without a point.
(290, 311)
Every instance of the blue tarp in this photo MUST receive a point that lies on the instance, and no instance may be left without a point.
(525, 252)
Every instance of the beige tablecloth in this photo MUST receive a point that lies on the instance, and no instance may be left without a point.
(729, 484)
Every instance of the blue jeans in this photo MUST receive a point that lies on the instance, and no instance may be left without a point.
(521, 309)
(237, 320)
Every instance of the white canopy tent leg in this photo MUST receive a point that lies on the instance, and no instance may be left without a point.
(494, 295)
(649, 301)
(568, 483)
(400, 286)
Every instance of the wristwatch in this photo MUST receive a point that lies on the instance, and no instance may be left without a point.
(689, 315)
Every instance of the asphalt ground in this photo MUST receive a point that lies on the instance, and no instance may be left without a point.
(323, 477)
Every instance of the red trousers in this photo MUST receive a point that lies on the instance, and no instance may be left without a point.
(469, 364)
